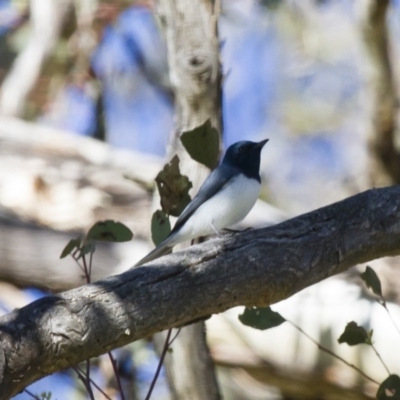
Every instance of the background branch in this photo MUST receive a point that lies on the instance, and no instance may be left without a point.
(53, 187)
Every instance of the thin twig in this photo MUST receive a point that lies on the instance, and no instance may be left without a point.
(86, 381)
(160, 363)
(90, 264)
(390, 315)
(73, 255)
(82, 268)
(116, 373)
(332, 353)
(31, 394)
(88, 371)
(380, 358)
(87, 273)
(176, 335)
(79, 371)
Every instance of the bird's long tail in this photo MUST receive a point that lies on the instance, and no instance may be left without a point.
(162, 249)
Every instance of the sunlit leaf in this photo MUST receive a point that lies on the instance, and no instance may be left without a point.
(372, 281)
(71, 246)
(354, 334)
(202, 144)
(110, 231)
(160, 227)
(261, 318)
(389, 389)
(173, 188)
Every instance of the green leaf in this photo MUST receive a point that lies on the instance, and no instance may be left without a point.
(389, 389)
(110, 231)
(160, 227)
(46, 395)
(354, 334)
(88, 247)
(271, 5)
(372, 281)
(71, 246)
(261, 318)
(202, 144)
(173, 188)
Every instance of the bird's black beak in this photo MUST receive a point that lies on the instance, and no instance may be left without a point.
(261, 144)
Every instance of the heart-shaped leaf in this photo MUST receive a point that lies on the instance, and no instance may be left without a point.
(354, 334)
(372, 281)
(71, 246)
(202, 144)
(110, 231)
(261, 318)
(160, 227)
(88, 247)
(389, 389)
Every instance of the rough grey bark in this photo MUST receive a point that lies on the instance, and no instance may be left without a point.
(259, 267)
(190, 29)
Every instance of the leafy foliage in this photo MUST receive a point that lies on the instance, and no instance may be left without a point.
(202, 144)
(372, 281)
(110, 231)
(173, 188)
(160, 227)
(261, 318)
(45, 395)
(73, 244)
(389, 389)
(87, 248)
(354, 334)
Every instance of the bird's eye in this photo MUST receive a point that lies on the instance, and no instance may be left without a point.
(241, 149)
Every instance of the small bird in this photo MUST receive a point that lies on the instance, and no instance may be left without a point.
(225, 198)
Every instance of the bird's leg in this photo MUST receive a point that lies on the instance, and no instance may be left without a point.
(217, 232)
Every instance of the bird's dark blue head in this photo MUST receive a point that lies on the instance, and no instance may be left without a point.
(245, 156)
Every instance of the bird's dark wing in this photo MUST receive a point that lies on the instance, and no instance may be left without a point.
(214, 182)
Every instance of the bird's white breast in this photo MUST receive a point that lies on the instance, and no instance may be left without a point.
(227, 207)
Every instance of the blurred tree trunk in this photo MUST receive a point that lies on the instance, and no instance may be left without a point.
(46, 21)
(191, 33)
(385, 158)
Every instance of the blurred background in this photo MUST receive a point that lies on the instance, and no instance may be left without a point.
(85, 101)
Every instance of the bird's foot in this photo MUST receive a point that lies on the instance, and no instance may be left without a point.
(235, 231)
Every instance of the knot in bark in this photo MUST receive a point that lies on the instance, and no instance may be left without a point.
(200, 65)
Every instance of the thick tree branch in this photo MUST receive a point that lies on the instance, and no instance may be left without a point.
(259, 267)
